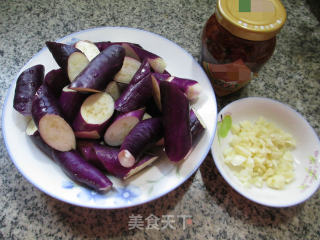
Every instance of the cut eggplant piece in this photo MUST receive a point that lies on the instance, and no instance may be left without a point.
(70, 102)
(109, 158)
(56, 80)
(103, 45)
(126, 45)
(54, 130)
(145, 134)
(156, 62)
(113, 89)
(196, 125)
(87, 151)
(94, 115)
(89, 49)
(27, 85)
(135, 96)
(142, 72)
(130, 51)
(176, 121)
(100, 71)
(81, 171)
(77, 62)
(121, 127)
(72, 163)
(61, 52)
(129, 68)
(191, 88)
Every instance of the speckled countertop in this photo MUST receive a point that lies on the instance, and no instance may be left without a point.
(218, 212)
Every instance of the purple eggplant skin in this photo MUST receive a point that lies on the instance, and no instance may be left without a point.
(137, 52)
(70, 102)
(152, 109)
(103, 156)
(142, 72)
(108, 156)
(87, 151)
(176, 121)
(81, 171)
(142, 53)
(27, 85)
(56, 80)
(156, 62)
(196, 126)
(61, 52)
(190, 87)
(53, 128)
(145, 134)
(135, 95)
(100, 70)
(44, 102)
(161, 76)
(183, 83)
(103, 45)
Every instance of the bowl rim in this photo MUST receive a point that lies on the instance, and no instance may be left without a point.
(155, 197)
(226, 178)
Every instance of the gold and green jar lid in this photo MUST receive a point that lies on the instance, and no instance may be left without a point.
(255, 20)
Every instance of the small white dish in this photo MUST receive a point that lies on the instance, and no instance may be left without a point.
(306, 153)
(152, 183)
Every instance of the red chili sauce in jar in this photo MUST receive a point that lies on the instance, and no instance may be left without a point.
(235, 48)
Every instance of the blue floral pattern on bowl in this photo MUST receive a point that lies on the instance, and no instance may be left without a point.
(123, 194)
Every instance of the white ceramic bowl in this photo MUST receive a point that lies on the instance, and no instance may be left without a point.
(152, 183)
(306, 154)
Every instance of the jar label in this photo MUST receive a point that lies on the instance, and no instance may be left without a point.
(228, 78)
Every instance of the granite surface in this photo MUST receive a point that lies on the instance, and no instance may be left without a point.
(218, 212)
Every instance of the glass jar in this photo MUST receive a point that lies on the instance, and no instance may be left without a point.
(238, 41)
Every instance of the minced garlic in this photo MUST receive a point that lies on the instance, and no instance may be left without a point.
(259, 153)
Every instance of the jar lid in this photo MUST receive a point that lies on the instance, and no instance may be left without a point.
(255, 20)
